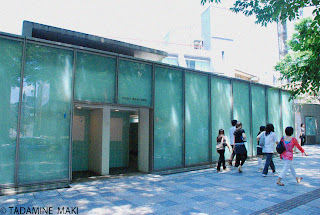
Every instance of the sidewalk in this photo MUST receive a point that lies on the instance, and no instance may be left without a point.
(196, 192)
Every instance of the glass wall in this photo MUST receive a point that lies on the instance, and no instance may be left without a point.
(135, 83)
(10, 68)
(168, 118)
(287, 111)
(196, 119)
(259, 117)
(45, 114)
(241, 109)
(274, 110)
(221, 104)
(95, 78)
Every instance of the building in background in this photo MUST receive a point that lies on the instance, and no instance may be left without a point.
(225, 43)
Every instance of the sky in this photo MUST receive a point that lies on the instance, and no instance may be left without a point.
(140, 22)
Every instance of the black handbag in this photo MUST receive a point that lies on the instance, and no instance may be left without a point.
(280, 147)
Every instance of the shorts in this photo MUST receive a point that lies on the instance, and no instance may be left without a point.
(259, 151)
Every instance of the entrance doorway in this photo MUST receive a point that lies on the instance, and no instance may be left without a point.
(108, 140)
(124, 141)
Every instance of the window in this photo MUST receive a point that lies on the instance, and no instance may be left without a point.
(203, 65)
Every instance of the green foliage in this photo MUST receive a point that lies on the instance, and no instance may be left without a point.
(301, 67)
(268, 11)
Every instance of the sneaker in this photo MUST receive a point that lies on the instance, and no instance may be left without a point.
(264, 175)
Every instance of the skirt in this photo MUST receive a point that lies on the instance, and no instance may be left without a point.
(240, 149)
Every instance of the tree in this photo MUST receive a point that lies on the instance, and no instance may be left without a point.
(268, 11)
(302, 66)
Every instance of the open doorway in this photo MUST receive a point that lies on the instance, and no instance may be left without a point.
(124, 141)
(86, 142)
(108, 141)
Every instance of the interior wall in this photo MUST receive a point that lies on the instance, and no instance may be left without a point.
(80, 136)
(143, 146)
(95, 147)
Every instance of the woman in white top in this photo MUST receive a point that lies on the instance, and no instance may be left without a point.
(270, 140)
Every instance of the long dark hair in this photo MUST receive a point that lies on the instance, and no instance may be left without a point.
(269, 129)
(220, 134)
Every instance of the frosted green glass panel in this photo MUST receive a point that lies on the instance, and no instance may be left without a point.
(241, 109)
(274, 110)
(287, 111)
(45, 114)
(196, 119)
(168, 123)
(258, 112)
(221, 103)
(95, 78)
(10, 68)
(135, 83)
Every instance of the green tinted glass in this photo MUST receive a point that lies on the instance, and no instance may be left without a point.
(10, 68)
(274, 110)
(168, 115)
(196, 118)
(95, 78)
(287, 110)
(45, 114)
(241, 109)
(135, 83)
(258, 112)
(221, 102)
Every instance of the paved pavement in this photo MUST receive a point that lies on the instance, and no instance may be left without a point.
(195, 192)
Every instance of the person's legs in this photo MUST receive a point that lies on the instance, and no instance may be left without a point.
(266, 166)
(273, 167)
(285, 168)
(223, 160)
(238, 156)
(293, 171)
(232, 155)
(219, 161)
(243, 159)
(303, 140)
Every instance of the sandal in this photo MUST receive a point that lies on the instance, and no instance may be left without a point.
(280, 183)
(299, 179)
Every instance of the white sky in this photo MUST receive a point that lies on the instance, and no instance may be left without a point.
(135, 21)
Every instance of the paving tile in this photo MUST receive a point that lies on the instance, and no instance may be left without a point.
(168, 203)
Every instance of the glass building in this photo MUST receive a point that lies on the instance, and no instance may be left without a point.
(68, 108)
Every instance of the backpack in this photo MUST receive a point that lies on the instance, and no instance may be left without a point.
(280, 147)
(262, 140)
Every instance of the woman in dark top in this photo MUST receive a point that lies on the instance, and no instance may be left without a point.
(240, 148)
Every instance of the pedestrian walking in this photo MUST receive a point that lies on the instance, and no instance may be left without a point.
(231, 135)
(260, 145)
(302, 135)
(222, 142)
(240, 148)
(287, 156)
(270, 140)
